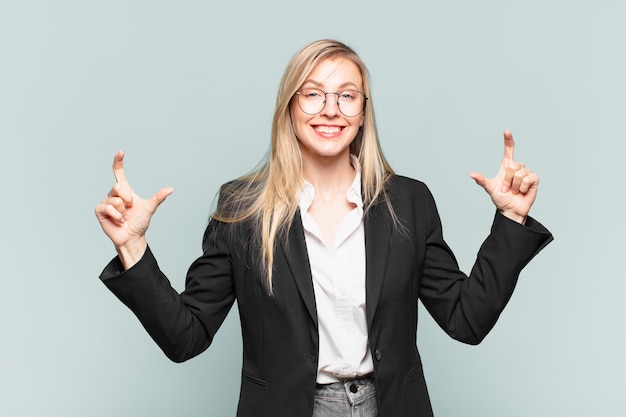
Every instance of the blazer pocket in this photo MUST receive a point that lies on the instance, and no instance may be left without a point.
(253, 380)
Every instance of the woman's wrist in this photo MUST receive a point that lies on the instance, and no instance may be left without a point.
(514, 216)
(132, 252)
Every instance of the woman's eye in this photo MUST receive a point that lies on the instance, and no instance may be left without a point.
(308, 93)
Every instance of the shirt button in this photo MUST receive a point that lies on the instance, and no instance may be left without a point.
(378, 354)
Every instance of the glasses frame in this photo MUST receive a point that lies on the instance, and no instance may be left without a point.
(298, 93)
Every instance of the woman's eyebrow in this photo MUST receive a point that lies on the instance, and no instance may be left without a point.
(319, 84)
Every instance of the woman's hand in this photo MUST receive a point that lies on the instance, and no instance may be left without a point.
(125, 217)
(514, 189)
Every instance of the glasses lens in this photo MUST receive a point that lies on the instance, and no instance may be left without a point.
(350, 102)
(312, 101)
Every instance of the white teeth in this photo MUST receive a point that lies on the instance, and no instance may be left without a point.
(328, 129)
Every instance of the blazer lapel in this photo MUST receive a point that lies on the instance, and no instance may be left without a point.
(377, 241)
(298, 260)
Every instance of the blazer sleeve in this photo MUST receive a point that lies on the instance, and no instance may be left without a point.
(183, 325)
(467, 307)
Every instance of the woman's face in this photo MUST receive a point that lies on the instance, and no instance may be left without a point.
(329, 133)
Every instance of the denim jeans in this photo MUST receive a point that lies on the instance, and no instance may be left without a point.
(353, 398)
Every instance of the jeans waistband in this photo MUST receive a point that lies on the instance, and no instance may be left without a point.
(346, 380)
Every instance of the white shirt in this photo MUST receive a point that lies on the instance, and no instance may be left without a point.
(339, 283)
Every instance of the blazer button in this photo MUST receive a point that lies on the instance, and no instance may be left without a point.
(378, 354)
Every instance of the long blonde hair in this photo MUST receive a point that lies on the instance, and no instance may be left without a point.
(269, 195)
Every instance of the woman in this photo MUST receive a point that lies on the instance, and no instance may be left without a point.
(327, 253)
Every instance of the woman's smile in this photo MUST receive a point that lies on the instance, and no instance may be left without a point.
(328, 131)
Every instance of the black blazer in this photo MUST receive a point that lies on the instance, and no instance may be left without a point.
(280, 338)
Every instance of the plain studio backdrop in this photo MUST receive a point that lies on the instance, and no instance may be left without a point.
(187, 89)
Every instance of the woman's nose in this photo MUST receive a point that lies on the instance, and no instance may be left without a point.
(331, 106)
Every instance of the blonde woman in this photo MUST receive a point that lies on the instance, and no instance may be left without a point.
(327, 252)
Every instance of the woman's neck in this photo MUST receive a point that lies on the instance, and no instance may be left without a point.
(329, 175)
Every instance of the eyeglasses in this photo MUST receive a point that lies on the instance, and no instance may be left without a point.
(350, 102)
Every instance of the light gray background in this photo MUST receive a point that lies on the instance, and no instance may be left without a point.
(187, 89)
